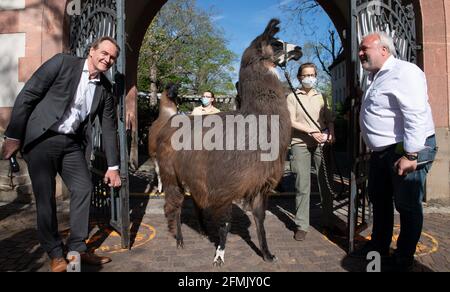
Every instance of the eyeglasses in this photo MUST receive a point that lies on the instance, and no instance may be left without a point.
(308, 75)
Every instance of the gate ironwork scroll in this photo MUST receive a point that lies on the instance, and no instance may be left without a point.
(106, 18)
(396, 18)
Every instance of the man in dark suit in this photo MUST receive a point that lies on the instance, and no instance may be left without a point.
(50, 124)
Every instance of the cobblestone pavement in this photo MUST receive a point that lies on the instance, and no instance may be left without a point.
(155, 250)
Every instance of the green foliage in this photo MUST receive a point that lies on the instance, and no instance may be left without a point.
(182, 45)
(326, 89)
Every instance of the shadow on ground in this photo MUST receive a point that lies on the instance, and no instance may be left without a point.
(240, 224)
(21, 252)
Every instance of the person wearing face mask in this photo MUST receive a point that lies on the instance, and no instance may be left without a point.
(397, 125)
(207, 107)
(307, 139)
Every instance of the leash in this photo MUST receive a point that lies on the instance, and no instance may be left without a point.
(321, 146)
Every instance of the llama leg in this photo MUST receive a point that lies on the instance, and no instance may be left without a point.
(259, 214)
(224, 228)
(172, 208)
(158, 176)
(179, 236)
(201, 219)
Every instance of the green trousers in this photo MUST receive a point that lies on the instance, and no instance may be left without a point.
(301, 166)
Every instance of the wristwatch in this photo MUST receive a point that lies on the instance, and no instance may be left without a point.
(411, 157)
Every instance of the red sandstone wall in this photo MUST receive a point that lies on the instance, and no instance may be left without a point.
(43, 23)
(436, 50)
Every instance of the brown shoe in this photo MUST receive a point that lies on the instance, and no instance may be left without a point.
(93, 259)
(58, 265)
(300, 235)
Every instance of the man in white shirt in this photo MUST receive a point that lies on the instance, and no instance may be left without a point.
(50, 123)
(397, 125)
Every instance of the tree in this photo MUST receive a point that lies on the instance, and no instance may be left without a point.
(322, 51)
(302, 12)
(327, 53)
(183, 45)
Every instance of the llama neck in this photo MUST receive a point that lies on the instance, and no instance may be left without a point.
(166, 106)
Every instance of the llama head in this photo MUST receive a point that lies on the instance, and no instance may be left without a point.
(285, 52)
(171, 91)
(259, 84)
(260, 50)
(270, 50)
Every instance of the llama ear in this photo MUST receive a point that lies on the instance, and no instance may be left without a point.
(272, 28)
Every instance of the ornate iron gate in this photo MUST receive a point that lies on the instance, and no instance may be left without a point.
(106, 18)
(397, 19)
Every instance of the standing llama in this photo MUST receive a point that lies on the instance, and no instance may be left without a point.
(216, 178)
(167, 108)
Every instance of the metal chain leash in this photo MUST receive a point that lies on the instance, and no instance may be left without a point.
(327, 179)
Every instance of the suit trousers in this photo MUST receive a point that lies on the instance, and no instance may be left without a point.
(60, 154)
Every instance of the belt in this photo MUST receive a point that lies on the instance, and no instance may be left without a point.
(389, 147)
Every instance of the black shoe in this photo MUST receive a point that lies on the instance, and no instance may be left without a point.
(93, 259)
(368, 247)
(402, 264)
(393, 265)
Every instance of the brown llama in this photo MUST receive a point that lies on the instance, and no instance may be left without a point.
(217, 177)
(167, 108)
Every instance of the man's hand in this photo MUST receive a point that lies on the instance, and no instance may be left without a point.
(10, 147)
(404, 166)
(331, 138)
(112, 178)
(319, 137)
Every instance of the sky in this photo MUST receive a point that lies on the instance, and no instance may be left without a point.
(243, 20)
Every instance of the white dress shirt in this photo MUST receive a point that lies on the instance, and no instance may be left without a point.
(395, 107)
(80, 106)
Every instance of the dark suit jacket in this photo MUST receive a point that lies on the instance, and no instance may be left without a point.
(45, 97)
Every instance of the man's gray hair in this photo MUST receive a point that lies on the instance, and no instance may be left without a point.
(386, 41)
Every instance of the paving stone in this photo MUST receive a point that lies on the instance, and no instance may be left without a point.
(19, 250)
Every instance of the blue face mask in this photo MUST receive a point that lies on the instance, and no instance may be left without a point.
(205, 101)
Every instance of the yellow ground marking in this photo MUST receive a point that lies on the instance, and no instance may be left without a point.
(148, 233)
(422, 248)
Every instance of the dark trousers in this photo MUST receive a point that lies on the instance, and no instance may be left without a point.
(387, 189)
(60, 154)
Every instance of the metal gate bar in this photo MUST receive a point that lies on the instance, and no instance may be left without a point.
(106, 18)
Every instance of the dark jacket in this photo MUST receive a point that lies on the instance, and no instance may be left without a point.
(45, 97)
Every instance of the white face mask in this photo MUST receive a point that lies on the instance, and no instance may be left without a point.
(309, 82)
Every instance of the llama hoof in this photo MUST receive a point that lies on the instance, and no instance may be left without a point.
(219, 259)
(218, 263)
(180, 244)
(270, 258)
